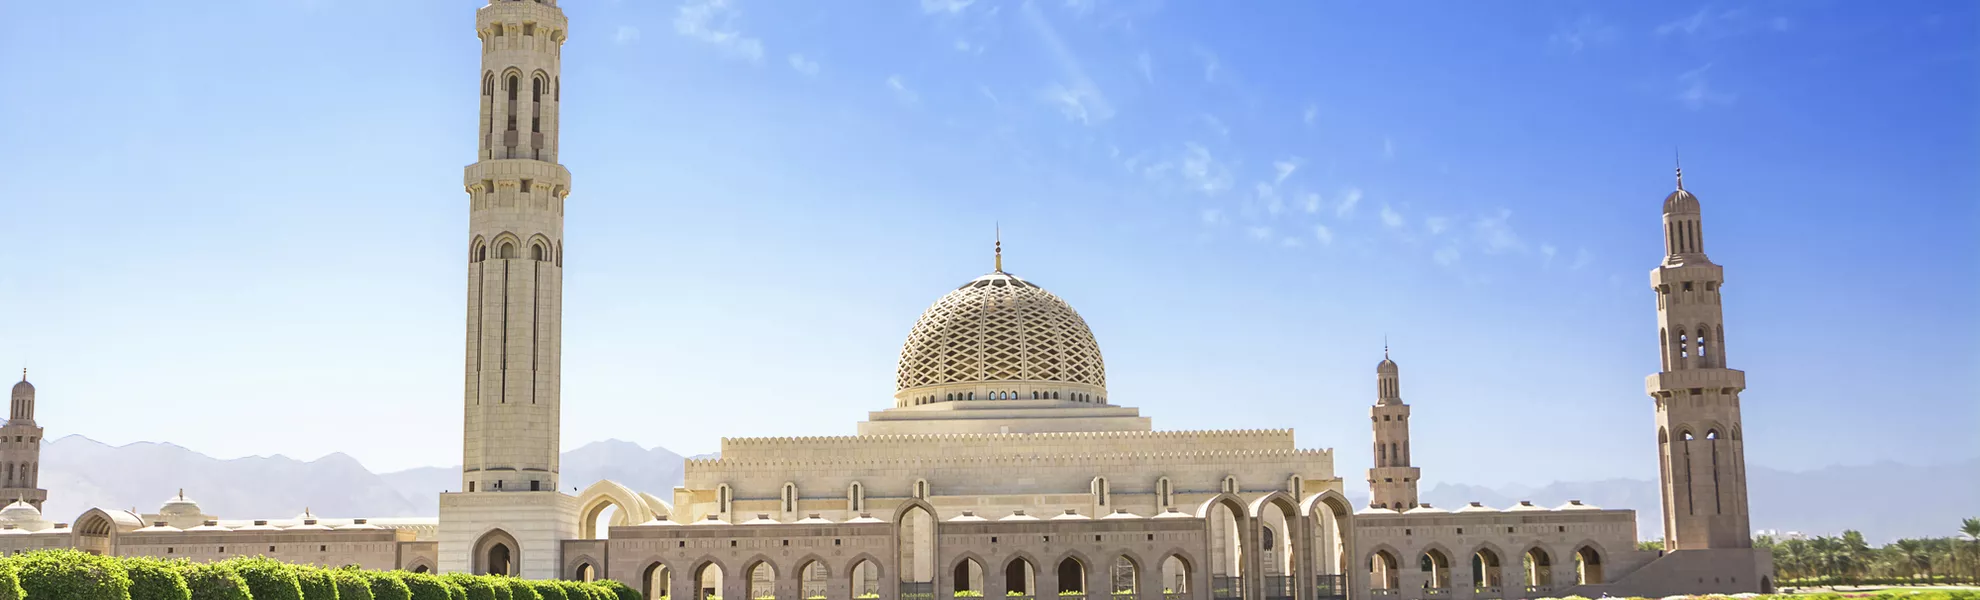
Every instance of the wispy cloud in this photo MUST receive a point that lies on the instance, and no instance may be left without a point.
(1495, 233)
(1349, 198)
(1284, 168)
(1697, 92)
(1311, 114)
(1077, 97)
(626, 35)
(1582, 258)
(1259, 232)
(1211, 216)
(1080, 7)
(1447, 255)
(1388, 147)
(1311, 202)
(1547, 252)
(1268, 195)
(901, 91)
(1147, 66)
(713, 22)
(1391, 218)
(804, 65)
(1582, 33)
(1710, 23)
(1322, 233)
(945, 6)
(1211, 66)
(1437, 225)
(1203, 171)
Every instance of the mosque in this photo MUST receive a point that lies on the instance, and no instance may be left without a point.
(1002, 467)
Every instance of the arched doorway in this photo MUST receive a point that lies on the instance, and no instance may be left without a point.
(1226, 549)
(1539, 570)
(1329, 513)
(708, 581)
(916, 541)
(656, 582)
(1382, 571)
(1072, 578)
(1436, 571)
(423, 569)
(814, 580)
(1176, 582)
(1278, 518)
(1486, 578)
(1587, 566)
(762, 580)
(865, 579)
(1125, 577)
(1020, 579)
(585, 573)
(497, 553)
(968, 576)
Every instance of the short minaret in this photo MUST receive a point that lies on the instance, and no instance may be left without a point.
(1392, 483)
(20, 449)
(1700, 458)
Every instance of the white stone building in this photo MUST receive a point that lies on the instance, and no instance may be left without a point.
(1002, 467)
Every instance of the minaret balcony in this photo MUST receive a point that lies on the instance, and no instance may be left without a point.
(1695, 378)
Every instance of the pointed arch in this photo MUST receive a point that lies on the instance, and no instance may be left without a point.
(1538, 567)
(630, 508)
(710, 577)
(864, 574)
(1435, 562)
(1071, 570)
(1384, 568)
(496, 553)
(1487, 567)
(966, 573)
(760, 577)
(1020, 575)
(1177, 573)
(656, 581)
(1124, 576)
(813, 577)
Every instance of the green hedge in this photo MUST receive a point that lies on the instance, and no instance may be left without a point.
(521, 590)
(10, 582)
(213, 581)
(423, 586)
(619, 591)
(472, 587)
(153, 579)
(386, 587)
(71, 575)
(316, 584)
(549, 590)
(351, 584)
(267, 578)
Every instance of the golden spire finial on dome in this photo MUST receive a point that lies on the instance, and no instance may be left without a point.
(999, 231)
(1680, 167)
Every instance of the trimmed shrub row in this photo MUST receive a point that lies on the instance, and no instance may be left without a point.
(76, 575)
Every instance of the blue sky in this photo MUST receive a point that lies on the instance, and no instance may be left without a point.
(237, 225)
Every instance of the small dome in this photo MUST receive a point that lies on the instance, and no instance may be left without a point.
(179, 505)
(999, 328)
(1680, 202)
(20, 512)
(24, 389)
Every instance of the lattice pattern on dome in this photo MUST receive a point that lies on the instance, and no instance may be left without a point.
(1000, 328)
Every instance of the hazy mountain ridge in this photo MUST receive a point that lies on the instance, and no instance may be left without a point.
(80, 473)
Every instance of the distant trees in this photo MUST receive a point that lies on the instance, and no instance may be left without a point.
(1850, 560)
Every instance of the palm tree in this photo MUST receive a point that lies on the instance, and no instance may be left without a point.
(1970, 529)
(1912, 554)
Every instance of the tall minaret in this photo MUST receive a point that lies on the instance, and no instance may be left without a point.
(20, 449)
(515, 192)
(1392, 483)
(1699, 452)
(515, 264)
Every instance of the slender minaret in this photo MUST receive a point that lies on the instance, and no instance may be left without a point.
(1699, 452)
(20, 449)
(515, 277)
(509, 514)
(1392, 483)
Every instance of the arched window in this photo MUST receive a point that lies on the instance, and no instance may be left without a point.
(1102, 494)
(508, 250)
(536, 252)
(921, 489)
(724, 499)
(512, 88)
(1164, 494)
(856, 497)
(1230, 484)
(790, 497)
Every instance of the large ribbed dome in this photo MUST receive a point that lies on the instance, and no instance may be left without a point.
(999, 328)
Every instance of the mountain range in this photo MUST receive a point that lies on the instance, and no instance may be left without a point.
(1884, 500)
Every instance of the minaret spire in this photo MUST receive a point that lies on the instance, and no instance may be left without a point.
(999, 230)
(1675, 159)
